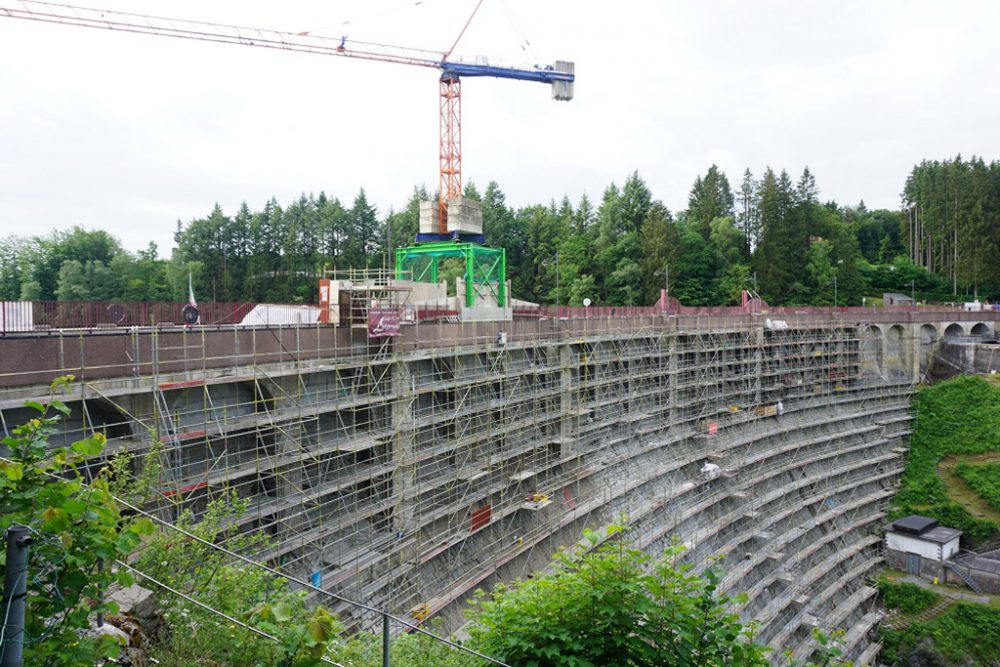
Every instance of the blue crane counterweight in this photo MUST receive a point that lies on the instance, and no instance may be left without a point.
(560, 73)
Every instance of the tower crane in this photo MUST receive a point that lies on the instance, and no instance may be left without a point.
(559, 75)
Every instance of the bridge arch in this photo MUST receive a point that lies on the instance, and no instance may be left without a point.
(872, 353)
(928, 337)
(980, 329)
(954, 329)
(897, 353)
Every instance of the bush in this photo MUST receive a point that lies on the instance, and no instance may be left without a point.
(609, 604)
(195, 636)
(968, 633)
(78, 534)
(906, 597)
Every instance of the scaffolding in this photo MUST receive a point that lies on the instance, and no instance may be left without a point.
(405, 472)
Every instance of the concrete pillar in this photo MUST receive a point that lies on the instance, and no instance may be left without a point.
(671, 343)
(289, 478)
(403, 447)
(569, 397)
(757, 333)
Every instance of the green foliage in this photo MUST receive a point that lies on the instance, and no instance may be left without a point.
(906, 597)
(827, 650)
(710, 198)
(605, 603)
(196, 636)
(984, 479)
(953, 224)
(965, 634)
(695, 269)
(786, 243)
(78, 534)
(959, 416)
(778, 258)
(405, 650)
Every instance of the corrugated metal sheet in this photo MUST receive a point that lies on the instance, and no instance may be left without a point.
(269, 314)
(16, 316)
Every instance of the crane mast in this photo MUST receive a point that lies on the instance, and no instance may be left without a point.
(560, 75)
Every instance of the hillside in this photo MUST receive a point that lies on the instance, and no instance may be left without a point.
(951, 476)
(956, 433)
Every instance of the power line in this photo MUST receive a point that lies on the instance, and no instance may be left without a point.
(295, 580)
(309, 586)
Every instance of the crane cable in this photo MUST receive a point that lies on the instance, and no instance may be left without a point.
(519, 34)
(478, 5)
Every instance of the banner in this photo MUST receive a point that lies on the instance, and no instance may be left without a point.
(383, 322)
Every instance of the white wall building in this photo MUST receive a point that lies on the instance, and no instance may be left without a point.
(918, 545)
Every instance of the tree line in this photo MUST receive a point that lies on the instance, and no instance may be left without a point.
(771, 234)
(952, 223)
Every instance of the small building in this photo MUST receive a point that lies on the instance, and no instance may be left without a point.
(896, 299)
(918, 545)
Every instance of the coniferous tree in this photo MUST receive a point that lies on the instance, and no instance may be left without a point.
(660, 244)
(748, 217)
(710, 198)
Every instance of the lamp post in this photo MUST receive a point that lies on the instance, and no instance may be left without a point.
(557, 284)
(666, 287)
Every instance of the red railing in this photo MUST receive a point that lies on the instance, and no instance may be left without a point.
(573, 312)
(27, 316)
(22, 316)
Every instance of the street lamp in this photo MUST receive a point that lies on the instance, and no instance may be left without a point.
(557, 284)
(839, 262)
(666, 286)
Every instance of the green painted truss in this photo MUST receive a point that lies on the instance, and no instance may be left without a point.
(485, 268)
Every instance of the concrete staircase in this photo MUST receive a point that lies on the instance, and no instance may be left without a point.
(897, 621)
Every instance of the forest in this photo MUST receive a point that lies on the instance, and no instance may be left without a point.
(772, 234)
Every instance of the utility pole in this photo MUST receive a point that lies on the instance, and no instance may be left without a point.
(557, 284)
(15, 591)
(835, 291)
(913, 292)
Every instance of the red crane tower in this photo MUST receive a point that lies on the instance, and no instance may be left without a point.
(560, 75)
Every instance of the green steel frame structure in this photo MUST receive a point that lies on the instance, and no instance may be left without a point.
(485, 268)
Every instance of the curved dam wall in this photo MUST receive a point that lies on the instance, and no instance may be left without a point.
(407, 472)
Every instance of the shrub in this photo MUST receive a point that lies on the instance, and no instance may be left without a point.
(968, 633)
(78, 534)
(609, 604)
(906, 597)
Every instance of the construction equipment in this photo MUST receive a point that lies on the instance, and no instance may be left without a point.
(560, 75)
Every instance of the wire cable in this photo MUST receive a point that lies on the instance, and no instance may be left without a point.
(207, 608)
(309, 586)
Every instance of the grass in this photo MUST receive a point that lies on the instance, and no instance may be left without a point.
(984, 479)
(954, 418)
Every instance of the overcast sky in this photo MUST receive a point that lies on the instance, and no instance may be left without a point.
(131, 133)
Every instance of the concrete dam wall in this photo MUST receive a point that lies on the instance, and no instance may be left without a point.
(407, 472)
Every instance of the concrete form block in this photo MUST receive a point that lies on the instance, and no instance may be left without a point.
(465, 216)
(430, 219)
